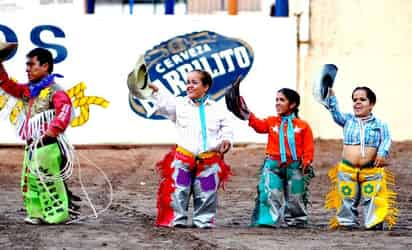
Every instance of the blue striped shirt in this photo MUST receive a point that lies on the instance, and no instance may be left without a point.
(376, 133)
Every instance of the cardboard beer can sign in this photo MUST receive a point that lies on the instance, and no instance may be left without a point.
(167, 64)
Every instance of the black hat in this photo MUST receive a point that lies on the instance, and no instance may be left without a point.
(6, 49)
(235, 103)
(324, 82)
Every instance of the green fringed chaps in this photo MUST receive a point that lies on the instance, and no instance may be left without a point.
(46, 200)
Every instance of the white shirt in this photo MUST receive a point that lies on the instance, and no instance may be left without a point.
(185, 114)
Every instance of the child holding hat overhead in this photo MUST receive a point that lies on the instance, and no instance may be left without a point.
(360, 178)
(282, 189)
(195, 167)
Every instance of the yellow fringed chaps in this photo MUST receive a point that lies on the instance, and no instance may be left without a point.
(383, 199)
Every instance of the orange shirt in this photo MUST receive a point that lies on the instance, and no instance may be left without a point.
(303, 137)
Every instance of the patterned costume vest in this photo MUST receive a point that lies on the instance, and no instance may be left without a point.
(41, 113)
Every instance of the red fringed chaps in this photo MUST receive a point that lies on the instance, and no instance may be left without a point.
(165, 212)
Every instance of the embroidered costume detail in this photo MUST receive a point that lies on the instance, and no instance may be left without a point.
(303, 137)
(35, 126)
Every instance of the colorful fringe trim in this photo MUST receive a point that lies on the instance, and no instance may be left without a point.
(390, 196)
(333, 200)
(224, 173)
(165, 213)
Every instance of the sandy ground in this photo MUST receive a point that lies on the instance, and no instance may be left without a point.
(128, 222)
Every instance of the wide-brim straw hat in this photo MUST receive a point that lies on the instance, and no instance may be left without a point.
(6, 49)
(324, 81)
(138, 80)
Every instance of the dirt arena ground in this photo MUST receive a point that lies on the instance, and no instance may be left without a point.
(128, 222)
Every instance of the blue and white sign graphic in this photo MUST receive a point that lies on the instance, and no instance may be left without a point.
(167, 64)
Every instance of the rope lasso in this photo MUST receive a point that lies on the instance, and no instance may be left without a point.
(95, 213)
(66, 172)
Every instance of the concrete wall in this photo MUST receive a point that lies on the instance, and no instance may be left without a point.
(370, 42)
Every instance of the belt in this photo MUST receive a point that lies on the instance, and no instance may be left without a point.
(44, 141)
(366, 165)
(198, 162)
(201, 156)
(277, 158)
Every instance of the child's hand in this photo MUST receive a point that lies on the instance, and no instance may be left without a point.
(379, 161)
(153, 87)
(224, 147)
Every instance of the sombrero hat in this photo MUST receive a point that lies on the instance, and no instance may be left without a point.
(324, 81)
(6, 49)
(138, 80)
